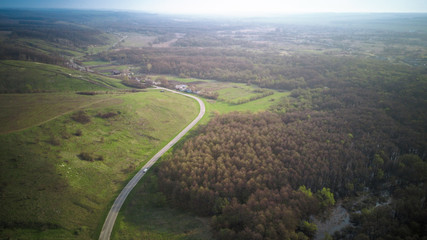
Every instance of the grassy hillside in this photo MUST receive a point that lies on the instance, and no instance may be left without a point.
(27, 77)
(58, 179)
(20, 111)
(60, 175)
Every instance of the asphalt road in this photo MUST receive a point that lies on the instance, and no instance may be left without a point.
(112, 215)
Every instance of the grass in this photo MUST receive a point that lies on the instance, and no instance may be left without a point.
(109, 69)
(20, 111)
(138, 40)
(214, 107)
(95, 49)
(95, 63)
(234, 93)
(238, 92)
(48, 192)
(179, 79)
(146, 216)
(229, 93)
(21, 76)
(49, 47)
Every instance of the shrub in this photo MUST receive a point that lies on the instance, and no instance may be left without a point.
(87, 93)
(81, 117)
(78, 132)
(54, 141)
(86, 156)
(107, 115)
(65, 135)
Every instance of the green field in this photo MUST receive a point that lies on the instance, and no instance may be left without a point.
(49, 47)
(236, 92)
(108, 69)
(138, 40)
(229, 93)
(50, 192)
(95, 63)
(178, 79)
(262, 104)
(21, 76)
(145, 215)
(94, 49)
(20, 111)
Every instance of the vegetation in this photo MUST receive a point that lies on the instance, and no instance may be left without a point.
(302, 115)
(247, 167)
(29, 77)
(48, 172)
(346, 138)
(159, 221)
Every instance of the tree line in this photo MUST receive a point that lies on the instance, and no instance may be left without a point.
(267, 70)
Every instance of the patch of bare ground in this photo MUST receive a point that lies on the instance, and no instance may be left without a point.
(337, 220)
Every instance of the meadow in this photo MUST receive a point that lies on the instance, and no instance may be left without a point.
(66, 173)
(21, 111)
(29, 77)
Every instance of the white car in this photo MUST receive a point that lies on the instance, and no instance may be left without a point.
(145, 170)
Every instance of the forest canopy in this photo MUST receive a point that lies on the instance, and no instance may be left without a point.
(262, 176)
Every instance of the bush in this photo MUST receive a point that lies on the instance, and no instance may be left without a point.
(54, 141)
(87, 93)
(81, 117)
(106, 115)
(78, 132)
(86, 156)
(65, 135)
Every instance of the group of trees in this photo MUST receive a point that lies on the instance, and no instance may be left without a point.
(269, 70)
(62, 34)
(44, 38)
(248, 171)
(404, 215)
(13, 51)
(257, 174)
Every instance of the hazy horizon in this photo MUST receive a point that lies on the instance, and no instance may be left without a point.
(235, 7)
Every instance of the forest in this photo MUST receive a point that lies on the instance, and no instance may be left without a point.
(318, 146)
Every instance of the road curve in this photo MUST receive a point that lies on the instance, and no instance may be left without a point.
(112, 215)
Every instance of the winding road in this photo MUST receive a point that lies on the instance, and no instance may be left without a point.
(112, 215)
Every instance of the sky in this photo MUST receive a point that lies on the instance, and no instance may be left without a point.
(228, 7)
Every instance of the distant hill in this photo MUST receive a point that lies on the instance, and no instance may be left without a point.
(28, 77)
